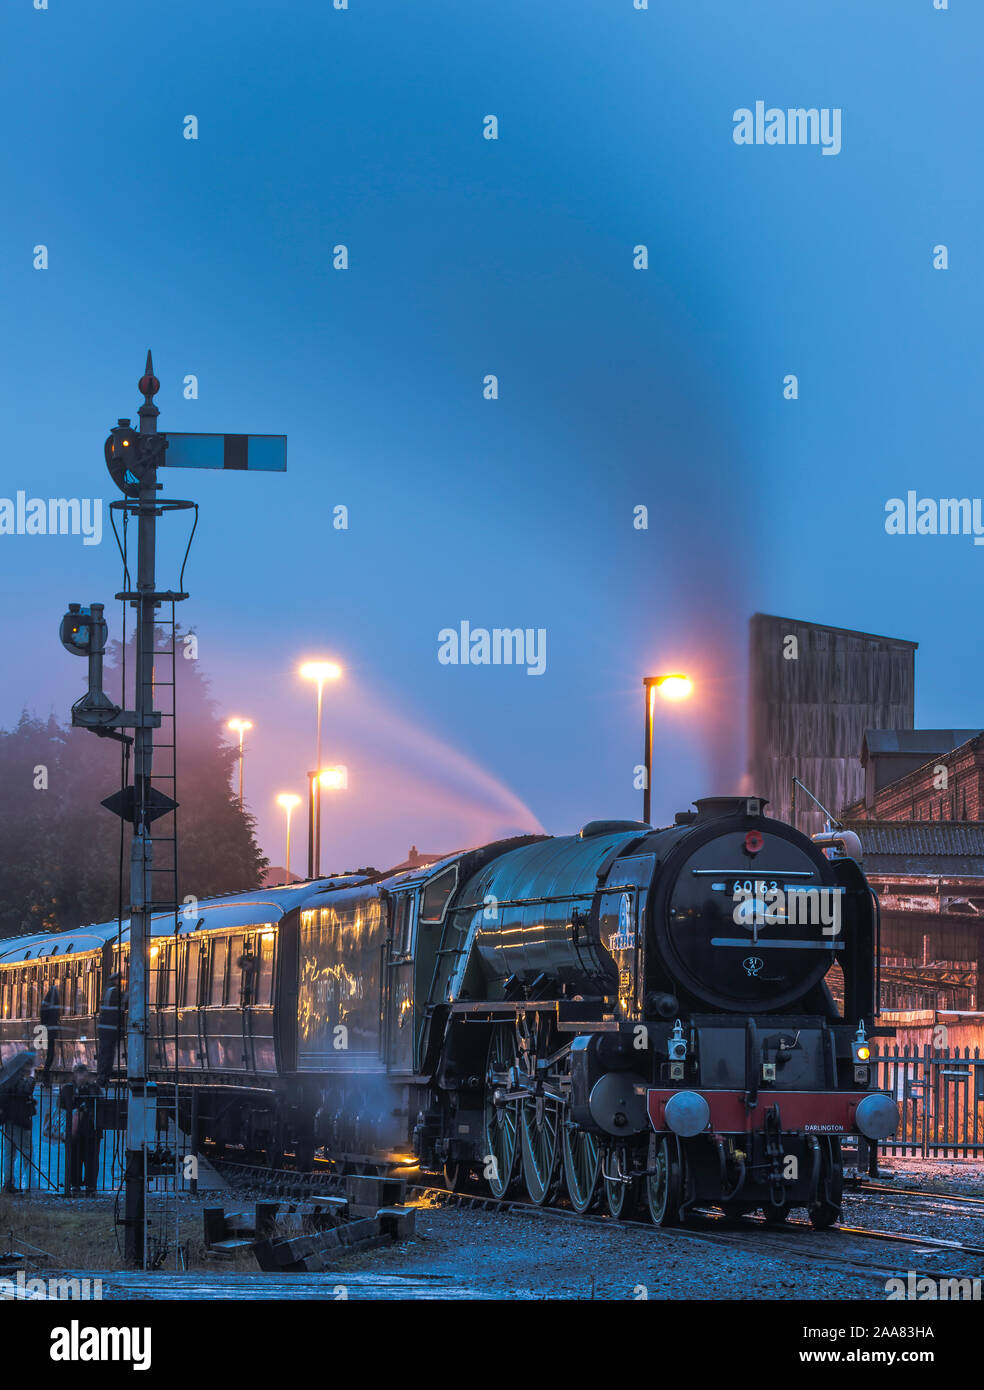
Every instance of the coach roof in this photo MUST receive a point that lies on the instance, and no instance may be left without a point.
(210, 914)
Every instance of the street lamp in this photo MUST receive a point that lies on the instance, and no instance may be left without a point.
(335, 779)
(319, 671)
(239, 726)
(670, 687)
(288, 801)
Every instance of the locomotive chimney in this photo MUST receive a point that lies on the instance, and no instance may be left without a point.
(715, 807)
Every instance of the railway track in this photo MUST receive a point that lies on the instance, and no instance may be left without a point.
(958, 1199)
(795, 1238)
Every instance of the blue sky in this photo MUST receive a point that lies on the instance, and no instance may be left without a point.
(617, 387)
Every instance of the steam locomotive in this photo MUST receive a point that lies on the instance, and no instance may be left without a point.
(625, 1017)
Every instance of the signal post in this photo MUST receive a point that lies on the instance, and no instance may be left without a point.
(133, 459)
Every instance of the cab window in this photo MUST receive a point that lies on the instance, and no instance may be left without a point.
(436, 894)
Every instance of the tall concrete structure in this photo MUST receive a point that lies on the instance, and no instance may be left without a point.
(814, 692)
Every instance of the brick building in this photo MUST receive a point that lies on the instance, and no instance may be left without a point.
(921, 826)
(929, 878)
(921, 774)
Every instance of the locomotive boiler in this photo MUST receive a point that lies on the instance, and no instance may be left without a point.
(629, 1016)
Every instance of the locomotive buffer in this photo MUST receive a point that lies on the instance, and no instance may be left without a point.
(133, 459)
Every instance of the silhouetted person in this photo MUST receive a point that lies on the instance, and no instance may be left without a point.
(50, 1018)
(110, 1027)
(78, 1099)
(17, 1106)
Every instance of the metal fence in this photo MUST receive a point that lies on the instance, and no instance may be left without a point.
(50, 1156)
(941, 1096)
(42, 1153)
(39, 1156)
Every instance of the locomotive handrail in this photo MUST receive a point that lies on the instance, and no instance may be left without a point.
(559, 898)
(756, 873)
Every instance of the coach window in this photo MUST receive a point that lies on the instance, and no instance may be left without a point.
(220, 956)
(264, 985)
(168, 962)
(193, 972)
(192, 966)
(243, 952)
(401, 926)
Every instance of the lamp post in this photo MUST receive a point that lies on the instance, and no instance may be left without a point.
(288, 801)
(239, 726)
(671, 687)
(312, 778)
(335, 779)
(319, 671)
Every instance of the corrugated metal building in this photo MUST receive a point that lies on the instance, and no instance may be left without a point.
(814, 692)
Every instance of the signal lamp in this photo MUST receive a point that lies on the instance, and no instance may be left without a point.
(677, 1050)
(860, 1047)
(81, 634)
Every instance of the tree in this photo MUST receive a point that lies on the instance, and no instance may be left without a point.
(61, 851)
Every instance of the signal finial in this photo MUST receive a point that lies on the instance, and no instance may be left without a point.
(148, 385)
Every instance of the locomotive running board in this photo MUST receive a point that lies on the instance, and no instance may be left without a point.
(572, 1017)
